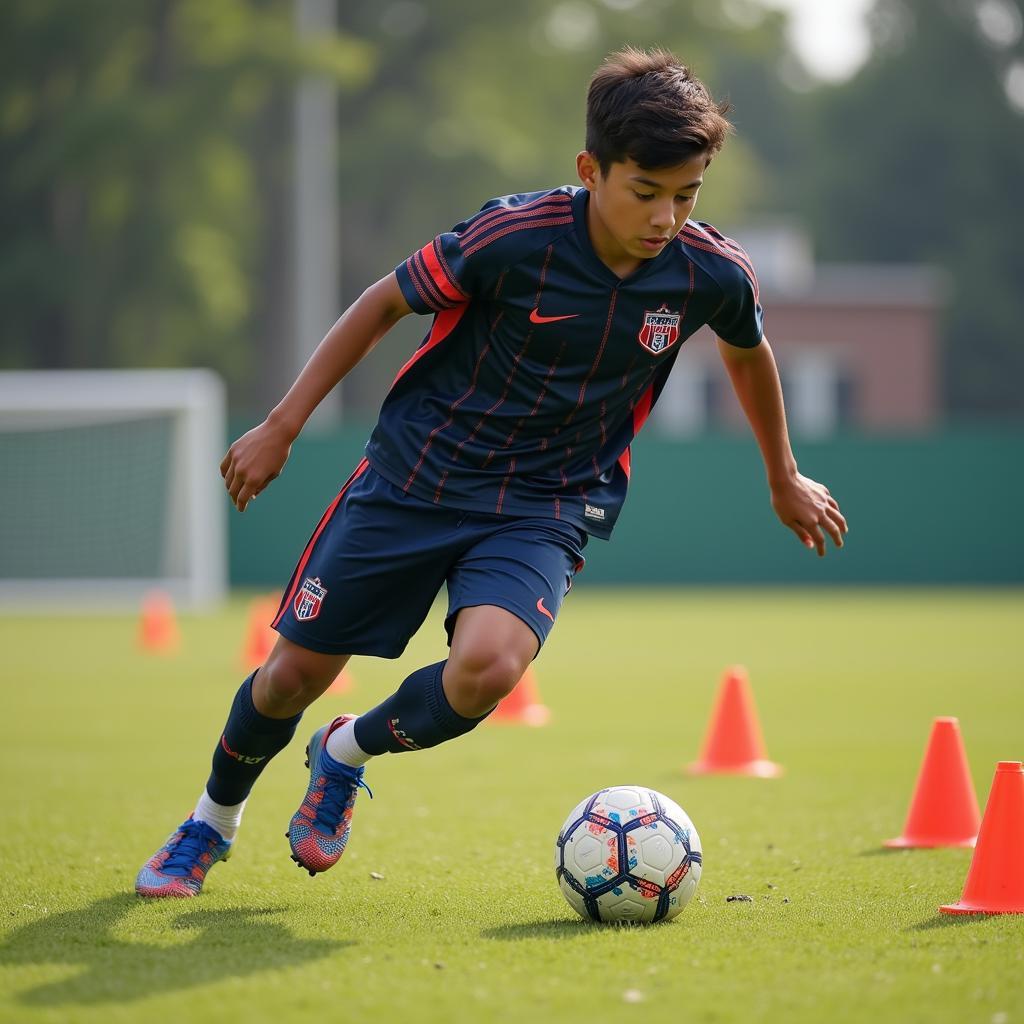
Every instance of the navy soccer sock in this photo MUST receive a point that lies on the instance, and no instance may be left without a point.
(247, 744)
(416, 716)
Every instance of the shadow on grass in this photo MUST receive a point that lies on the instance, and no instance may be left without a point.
(942, 922)
(229, 943)
(558, 929)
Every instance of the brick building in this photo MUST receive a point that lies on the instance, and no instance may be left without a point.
(857, 344)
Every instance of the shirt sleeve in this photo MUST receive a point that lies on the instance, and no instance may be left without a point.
(450, 270)
(740, 319)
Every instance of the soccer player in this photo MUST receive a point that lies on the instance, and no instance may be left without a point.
(502, 446)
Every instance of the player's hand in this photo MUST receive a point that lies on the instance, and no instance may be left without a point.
(809, 510)
(255, 459)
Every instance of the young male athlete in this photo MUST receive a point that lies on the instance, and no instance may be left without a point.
(501, 446)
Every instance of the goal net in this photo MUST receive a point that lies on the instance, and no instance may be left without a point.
(109, 488)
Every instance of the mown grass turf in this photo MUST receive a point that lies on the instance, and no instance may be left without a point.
(104, 750)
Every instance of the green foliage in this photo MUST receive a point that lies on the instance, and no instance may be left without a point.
(145, 157)
(145, 152)
(133, 212)
(920, 158)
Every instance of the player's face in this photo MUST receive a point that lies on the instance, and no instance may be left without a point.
(634, 212)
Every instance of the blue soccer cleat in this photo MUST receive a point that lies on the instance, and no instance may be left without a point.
(319, 829)
(179, 867)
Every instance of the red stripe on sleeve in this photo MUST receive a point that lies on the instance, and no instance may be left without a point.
(428, 297)
(486, 222)
(701, 240)
(435, 297)
(503, 229)
(441, 275)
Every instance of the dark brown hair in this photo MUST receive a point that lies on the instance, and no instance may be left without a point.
(647, 106)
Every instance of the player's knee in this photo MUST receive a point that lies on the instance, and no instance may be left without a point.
(484, 677)
(288, 682)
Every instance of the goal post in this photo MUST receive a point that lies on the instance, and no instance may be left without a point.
(109, 488)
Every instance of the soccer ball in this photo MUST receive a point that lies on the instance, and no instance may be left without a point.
(628, 855)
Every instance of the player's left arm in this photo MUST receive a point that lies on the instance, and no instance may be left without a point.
(802, 504)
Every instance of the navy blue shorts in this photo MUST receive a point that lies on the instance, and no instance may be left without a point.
(379, 557)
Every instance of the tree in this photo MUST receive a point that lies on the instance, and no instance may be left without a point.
(920, 157)
(145, 158)
(134, 168)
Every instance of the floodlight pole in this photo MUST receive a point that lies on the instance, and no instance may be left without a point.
(315, 221)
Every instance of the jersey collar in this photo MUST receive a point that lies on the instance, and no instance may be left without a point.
(579, 212)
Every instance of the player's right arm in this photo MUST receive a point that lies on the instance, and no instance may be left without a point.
(258, 456)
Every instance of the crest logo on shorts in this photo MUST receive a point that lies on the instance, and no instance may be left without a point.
(309, 599)
(660, 330)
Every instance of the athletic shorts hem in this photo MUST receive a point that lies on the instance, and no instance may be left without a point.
(322, 647)
(496, 602)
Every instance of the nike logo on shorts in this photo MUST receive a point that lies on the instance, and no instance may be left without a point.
(543, 610)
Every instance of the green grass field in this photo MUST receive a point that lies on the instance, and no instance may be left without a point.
(105, 749)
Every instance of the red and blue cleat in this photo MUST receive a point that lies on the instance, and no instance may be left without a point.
(319, 829)
(179, 867)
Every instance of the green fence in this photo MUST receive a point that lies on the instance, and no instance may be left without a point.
(937, 509)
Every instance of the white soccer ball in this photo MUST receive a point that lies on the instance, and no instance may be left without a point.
(628, 854)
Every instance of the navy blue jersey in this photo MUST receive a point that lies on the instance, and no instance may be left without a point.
(542, 365)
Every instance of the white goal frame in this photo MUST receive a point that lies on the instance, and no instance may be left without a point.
(197, 512)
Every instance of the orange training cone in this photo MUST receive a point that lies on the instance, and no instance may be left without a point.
(158, 628)
(733, 745)
(995, 879)
(343, 683)
(259, 636)
(523, 705)
(944, 809)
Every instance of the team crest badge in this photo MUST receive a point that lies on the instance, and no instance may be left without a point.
(660, 330)
(309, 599)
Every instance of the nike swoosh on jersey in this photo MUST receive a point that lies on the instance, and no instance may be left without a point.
(536, 318)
